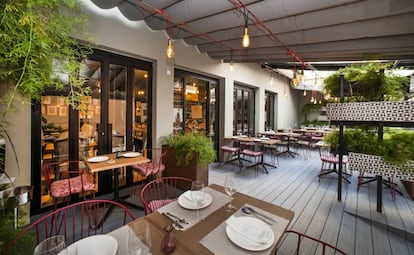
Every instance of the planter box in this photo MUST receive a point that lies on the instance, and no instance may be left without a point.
(384, 111)
(192, 171)
(375, 165)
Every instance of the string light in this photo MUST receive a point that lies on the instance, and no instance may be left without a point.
(246, 38)
(302, 76)
(294, 82)
(170, 50)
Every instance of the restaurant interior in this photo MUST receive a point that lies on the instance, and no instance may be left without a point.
(251, 76)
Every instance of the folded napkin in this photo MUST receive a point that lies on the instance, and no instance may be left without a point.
(250, 230)
(188, 195)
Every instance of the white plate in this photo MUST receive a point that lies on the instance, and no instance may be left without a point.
(93, 245)
(245, 242)
(131, 154)
(98, 159)
(185, 201)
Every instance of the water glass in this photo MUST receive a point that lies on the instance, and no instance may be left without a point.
(138, 239)
(51, 246)
(230, 188)
(197, 195)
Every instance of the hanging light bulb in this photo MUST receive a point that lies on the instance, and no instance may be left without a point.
(246, 38)
(294, 82)
(170, 50)
(302, 76)
(271, 78)
(304, 93)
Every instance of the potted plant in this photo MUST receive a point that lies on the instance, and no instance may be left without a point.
(188, 155)
(392, 156)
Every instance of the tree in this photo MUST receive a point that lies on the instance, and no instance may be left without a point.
(367, 82)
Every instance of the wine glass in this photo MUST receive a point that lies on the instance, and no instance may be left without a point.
(51, 246)
(197, 195)
(230, 189)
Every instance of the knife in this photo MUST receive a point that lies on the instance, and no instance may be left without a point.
(174, 221)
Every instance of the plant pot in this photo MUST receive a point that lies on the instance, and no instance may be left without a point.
(192, 171)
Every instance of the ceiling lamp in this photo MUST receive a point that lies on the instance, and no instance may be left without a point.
(170, 50)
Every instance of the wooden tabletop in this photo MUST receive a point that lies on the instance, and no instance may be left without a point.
(114, 162)
(188, 241)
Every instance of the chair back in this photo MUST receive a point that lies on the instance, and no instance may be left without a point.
(155, 166)
(74, 222)
(162, 191)
(61, 170)
(302, 238)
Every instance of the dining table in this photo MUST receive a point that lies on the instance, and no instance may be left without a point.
(289, 137)
(211, 234)
(262, 142)
(114, 162)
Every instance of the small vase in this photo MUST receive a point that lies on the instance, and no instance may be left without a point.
(168, 242)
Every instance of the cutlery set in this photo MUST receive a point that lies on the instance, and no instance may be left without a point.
(176, 221)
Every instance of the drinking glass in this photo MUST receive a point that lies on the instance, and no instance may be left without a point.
(51, 246)
(197, 195)
(138, 238)
(230, 189)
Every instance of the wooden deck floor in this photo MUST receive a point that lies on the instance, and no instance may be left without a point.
(352, 224)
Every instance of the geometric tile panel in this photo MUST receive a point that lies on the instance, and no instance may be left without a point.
(375, 165)
(385, 111)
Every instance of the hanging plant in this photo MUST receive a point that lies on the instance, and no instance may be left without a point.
(37, 49)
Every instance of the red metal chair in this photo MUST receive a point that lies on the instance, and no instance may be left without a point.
(227, 146)
(149, 169)
(74, 222)
(301, 238)
(162, 191)
(69, 177)
(330, 163)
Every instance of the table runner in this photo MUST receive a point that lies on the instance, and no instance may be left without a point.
(219, 200)
(218, 242)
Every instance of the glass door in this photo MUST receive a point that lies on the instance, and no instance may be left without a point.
(115, 116)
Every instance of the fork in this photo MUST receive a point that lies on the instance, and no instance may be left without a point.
(181, 220)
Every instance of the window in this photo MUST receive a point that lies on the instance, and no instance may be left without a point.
(269, 111)
(243, 110)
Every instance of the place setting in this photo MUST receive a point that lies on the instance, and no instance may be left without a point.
(248, 229)
(193, 205)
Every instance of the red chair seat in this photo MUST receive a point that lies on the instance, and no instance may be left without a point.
(157, 204)
(252, 153)
(333, 159)
(147, 169)
(229, 148)
(60, 188)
